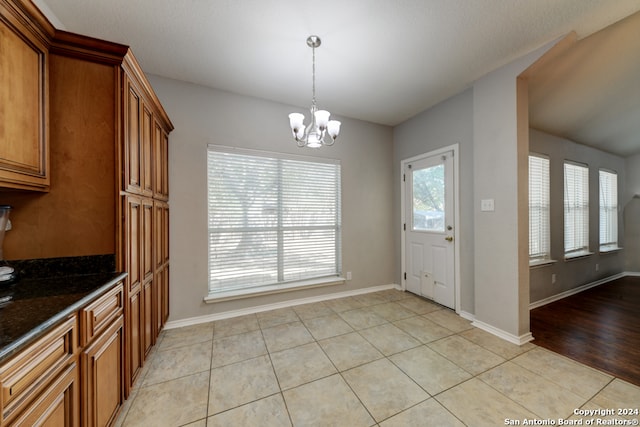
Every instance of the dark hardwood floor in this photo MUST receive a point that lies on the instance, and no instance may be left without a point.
(599, 327)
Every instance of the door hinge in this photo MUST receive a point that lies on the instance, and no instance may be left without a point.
(404, 177)
(404, 226)
(405, 276)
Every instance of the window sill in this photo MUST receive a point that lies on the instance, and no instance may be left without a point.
(542, 263)
(272, 289)
(610, 249)
(578, 255)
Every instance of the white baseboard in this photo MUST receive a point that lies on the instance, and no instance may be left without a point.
(584, 287)
(251, 310)
(514, 339)
(467, 315)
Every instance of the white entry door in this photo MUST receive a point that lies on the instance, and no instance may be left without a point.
(429, 222)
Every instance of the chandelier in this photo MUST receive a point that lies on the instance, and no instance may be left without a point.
(313, 136)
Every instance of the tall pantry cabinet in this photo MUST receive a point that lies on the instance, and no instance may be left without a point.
(144, 192)
(101, 102)
(104, 97)
(104, 100)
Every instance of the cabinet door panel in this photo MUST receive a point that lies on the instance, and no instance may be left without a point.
(146, 160)
(134, 339)
(165, 233)
(102, 373)
(165, 164)
(157, 302)
(132, 141)
(148, 338)
(147, 239)
(165, 294)
(24, 157)
(158, 234)
(160, 162)
(133, 241)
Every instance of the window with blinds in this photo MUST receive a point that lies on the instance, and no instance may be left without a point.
(273, 219)
(608, 210)
(576, 209)
(539, 229)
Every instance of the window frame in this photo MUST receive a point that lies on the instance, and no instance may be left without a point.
(583, 236)
(275, 160)
(610, 245)
(542, 256)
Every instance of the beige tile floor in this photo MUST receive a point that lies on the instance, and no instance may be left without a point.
(382, 359)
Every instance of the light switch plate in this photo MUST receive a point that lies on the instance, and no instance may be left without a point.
(486, 205)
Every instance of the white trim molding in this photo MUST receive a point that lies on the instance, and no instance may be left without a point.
(258, 309)
(466, 315)
(514, 339)
(578, 289)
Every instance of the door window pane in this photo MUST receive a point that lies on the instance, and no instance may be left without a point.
(428, 199)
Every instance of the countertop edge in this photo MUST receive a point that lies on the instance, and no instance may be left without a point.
(17, 345)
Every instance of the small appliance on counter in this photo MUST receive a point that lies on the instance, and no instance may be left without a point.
(7, 273)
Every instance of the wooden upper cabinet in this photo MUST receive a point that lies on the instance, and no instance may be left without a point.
(146, 146)
(24, 155)
(161, 162)
(132, 141)
(146, 163)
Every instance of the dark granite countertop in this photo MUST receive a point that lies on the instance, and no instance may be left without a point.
(38, 304)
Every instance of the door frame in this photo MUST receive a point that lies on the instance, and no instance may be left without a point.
(456, 212)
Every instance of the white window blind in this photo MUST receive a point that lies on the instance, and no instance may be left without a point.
(539, 229)
(608, 210)
(273, 219)
(576, 209)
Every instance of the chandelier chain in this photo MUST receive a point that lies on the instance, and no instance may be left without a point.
(313, 74)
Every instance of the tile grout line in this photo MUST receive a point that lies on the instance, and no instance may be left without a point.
(262, 326)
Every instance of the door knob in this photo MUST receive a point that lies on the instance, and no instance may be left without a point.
(449, 238)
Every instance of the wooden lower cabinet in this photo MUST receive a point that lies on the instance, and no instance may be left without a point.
(146, 260)
(56, 406)
(134, 351)
(39, 386)
(148, 336)
(165, 294)
(74, 375)
(102, 376)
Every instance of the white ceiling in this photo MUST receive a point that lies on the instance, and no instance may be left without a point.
(381, 61)
(591, 93)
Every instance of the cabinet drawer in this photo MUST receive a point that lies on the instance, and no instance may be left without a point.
(57, 405)
(23, 377)
(97, 316)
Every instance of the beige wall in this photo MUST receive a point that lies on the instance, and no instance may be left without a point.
(77, 215)
(630, 205)
(448, 123)
(206, 116)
